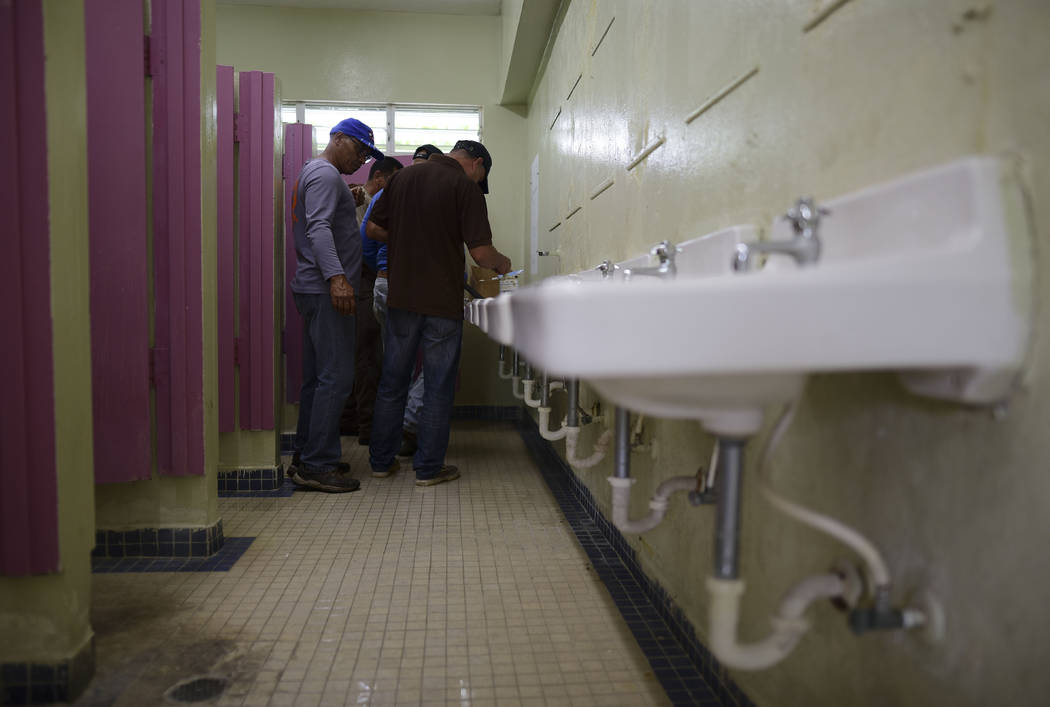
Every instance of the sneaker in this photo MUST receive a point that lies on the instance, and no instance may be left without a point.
(390, 470)
(341, 467)
(447, 473)
(329, 480)
(408, 444)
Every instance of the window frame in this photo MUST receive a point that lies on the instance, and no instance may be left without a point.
(391, 109)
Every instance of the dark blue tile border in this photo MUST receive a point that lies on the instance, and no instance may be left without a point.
(502, 413)
(287, 488)
(685, 668)
(159, 542)
(221, 561)
(262, 479)
(39, 683)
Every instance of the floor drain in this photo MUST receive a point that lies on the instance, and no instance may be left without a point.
(196, 689)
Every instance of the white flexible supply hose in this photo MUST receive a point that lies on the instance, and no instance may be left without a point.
(600, 448)
(514, 387)
(504, 375)
(880, 574)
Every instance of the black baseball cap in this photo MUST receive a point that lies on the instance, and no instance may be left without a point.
(476, 149)
(425, 151)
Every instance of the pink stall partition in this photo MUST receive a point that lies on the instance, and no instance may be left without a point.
(298, 150)
(178, 354)
(116, 123)
(226, 239)
(29, 500)
(255, 252)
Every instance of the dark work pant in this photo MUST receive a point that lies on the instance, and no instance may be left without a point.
(368, 353)
(440, 339)
(328, 377)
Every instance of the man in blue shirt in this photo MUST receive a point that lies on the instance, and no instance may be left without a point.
(368, 349)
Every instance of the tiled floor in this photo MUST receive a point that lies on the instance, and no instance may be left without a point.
(469, 593)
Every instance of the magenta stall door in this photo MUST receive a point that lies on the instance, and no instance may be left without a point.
(29, 499)
(255, 252)
(226, 241)
(178, 355)
(116, 105)
(298, 150)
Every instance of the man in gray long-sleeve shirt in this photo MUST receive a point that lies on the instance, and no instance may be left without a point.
(328, 255)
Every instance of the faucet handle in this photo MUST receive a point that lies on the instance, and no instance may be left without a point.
(805, 215)
(606, 268)
(664, 250)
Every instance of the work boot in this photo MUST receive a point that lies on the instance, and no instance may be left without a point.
(447, 473)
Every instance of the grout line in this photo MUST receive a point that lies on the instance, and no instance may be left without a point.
(555, 119)
(646, 151)
(553, 227)
(823, 14)
(732, 86)
(602, 38)
(573, 212)
(571, 90)
(602, 187)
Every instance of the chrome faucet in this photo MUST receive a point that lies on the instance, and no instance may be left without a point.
(804, 247)
(607, 268)
(665, 251)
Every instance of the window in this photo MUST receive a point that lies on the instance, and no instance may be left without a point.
(398, 128)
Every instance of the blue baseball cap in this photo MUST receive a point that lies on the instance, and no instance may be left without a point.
(352, 127)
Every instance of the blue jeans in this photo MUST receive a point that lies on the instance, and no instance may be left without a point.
(441, 340)
(415, 390)
(328, 377)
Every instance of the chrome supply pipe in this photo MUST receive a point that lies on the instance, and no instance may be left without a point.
(727, 520)
(622, 462)
(572, 412)
(528, 372)
(545, 392)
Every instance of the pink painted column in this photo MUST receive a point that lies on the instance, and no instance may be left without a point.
(29, 500)
(298, 150)
(178, 354)
(226, 238)
(255, 349)
(116, 115)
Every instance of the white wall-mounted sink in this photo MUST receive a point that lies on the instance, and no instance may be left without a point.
(928, 274)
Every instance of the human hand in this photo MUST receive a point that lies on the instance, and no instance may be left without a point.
(360, 195)
(503, 266)
(342, 295)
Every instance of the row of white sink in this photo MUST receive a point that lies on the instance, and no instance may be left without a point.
(928, 275)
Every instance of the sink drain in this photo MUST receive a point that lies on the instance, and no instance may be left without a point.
(198, 689)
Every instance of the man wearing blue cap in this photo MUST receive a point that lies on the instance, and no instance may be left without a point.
(328, 270)
(427, 213)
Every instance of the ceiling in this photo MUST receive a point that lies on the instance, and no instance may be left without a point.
(440, 7)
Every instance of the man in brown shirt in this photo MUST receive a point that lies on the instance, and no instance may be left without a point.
(426, 214)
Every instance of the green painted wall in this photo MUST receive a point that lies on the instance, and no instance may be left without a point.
(186, 501)
(958, 501)
(340, 55)
(45, 619)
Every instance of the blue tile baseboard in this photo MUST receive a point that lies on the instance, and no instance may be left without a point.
(261, 479)
(221, 561)
(688, 671)
(44, 683)
(503, 413)
(159, 542)
(287, 488)
(287, 444)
